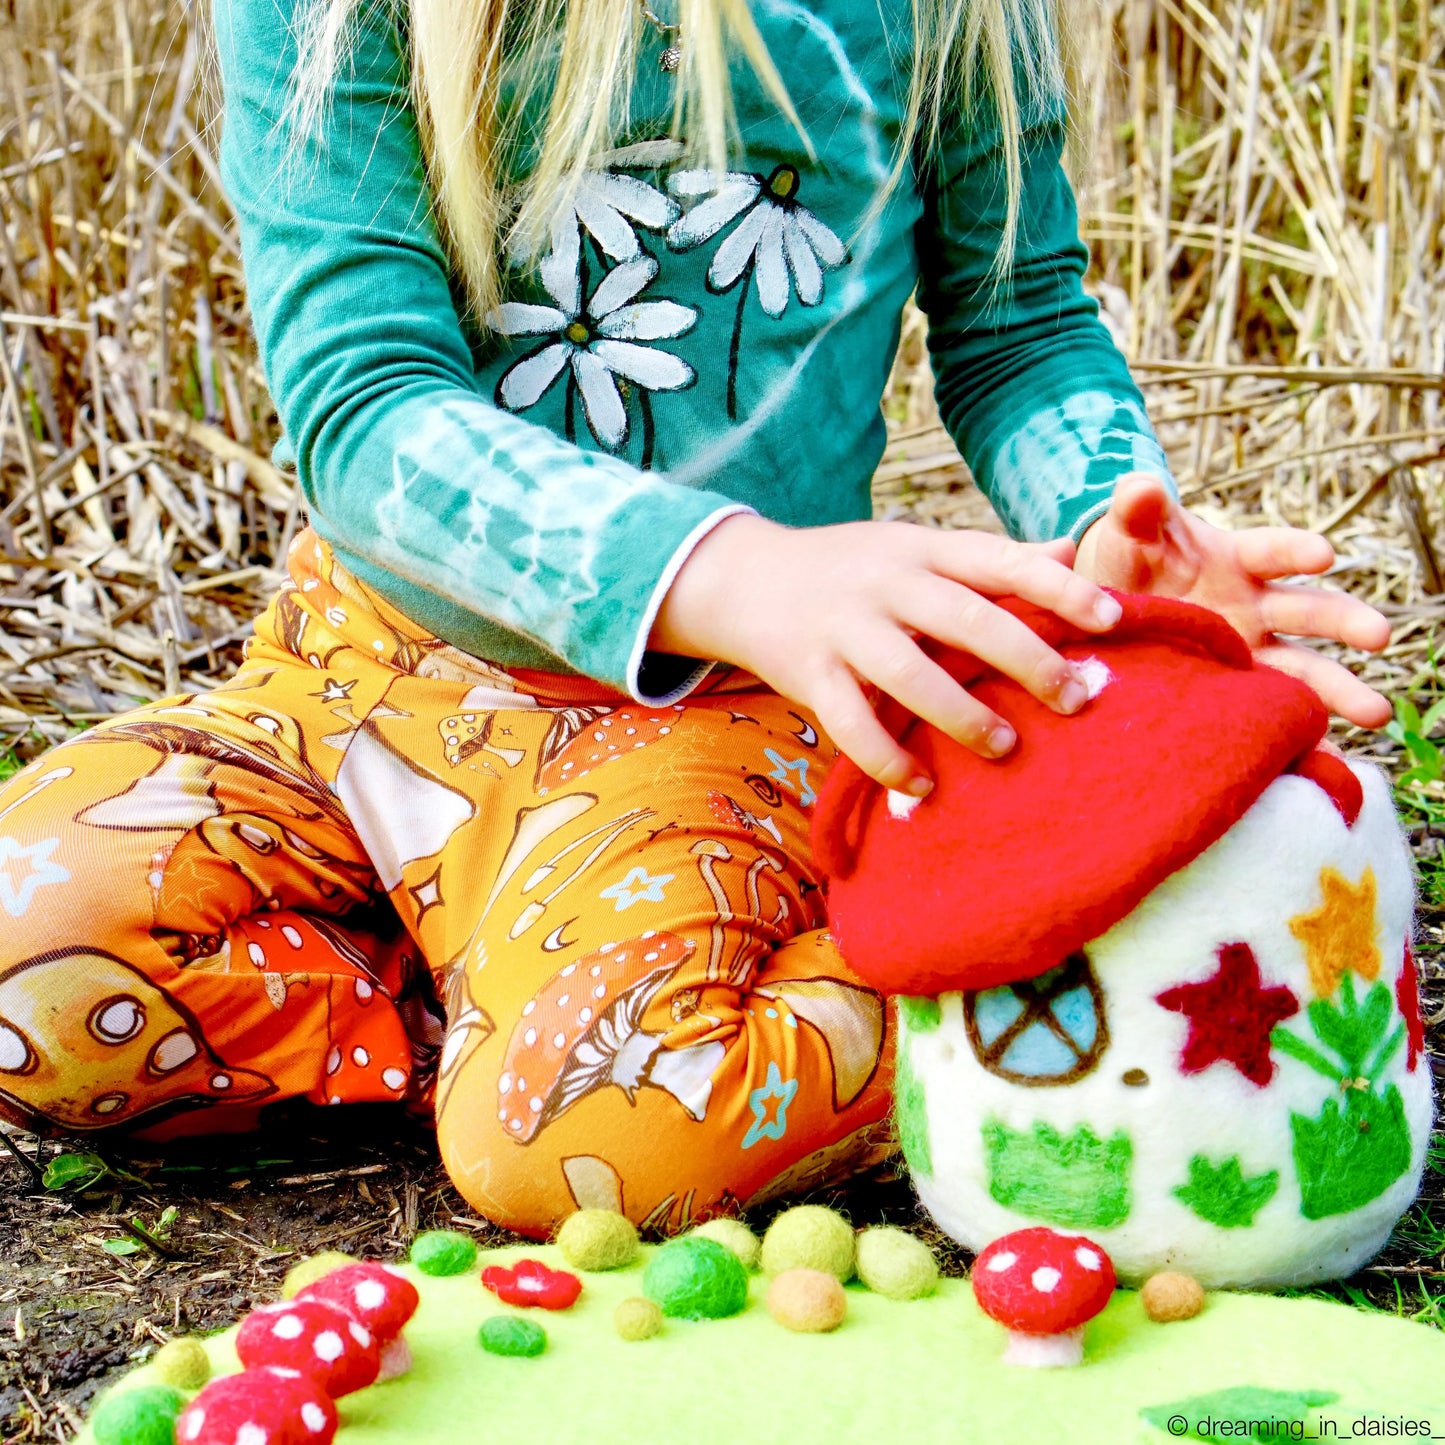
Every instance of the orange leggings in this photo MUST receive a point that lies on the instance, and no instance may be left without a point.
(372, 867)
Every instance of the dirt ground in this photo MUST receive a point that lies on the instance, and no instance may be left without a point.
(73, 1314)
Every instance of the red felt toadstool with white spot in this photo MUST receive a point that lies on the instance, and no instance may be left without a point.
(258, 1407)
(378, 1298)
(1043, 1287)
(316, 1339)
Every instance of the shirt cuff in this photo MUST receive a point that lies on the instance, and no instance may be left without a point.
(656, 678)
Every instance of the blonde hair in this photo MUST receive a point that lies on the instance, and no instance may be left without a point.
(465, 52)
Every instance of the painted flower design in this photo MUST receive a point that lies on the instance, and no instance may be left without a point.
(611, 203)
(784, 243)
(530, 1283)
(597, 343)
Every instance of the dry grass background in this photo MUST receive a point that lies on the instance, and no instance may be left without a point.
(1262, 184)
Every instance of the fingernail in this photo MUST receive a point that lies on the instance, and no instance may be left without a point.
(920, 787)
(1000, 740)
(1108, 611)
(1072, 696)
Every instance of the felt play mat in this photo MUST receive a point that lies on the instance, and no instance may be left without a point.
(925, 1370)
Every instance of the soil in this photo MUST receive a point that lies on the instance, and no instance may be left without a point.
(365, 1180)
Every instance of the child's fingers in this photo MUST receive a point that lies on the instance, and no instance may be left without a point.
(849, 720)
(891, 660)
(1338, 688)
(1269, 553)
(1311, 612)
(962, 618)
(1001, 568)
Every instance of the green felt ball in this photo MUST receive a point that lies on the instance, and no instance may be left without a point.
(182, 1363)
(144, 1416)
(810, 1237)
(696, 1279)
(443, 1251)
(733, 1234)
(637, 1318)
(512, 1335)
(598, 1239)
(895, 1263)
(318, 1266)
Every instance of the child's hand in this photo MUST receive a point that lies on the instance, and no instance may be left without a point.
(1147, 542)
(821, 613)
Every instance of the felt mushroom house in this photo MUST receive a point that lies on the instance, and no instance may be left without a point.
(1153, 967)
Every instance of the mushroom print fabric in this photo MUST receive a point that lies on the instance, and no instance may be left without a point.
(372, 868)
(1222, 1079)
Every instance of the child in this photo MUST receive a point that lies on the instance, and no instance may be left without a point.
(506, 812)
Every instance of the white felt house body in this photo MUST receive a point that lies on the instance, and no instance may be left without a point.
(1228, 1082)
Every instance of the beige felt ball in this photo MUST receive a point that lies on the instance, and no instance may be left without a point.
(895, 1263)
(810, 1237)
(596, 1239)
(312, 1269)
(182, 1364)
(637, 1318)
(1169, 1296)
(733, 1234)
(809, 1301)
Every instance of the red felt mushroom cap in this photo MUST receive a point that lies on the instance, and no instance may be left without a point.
(373, 1295)
(1018, 863)
(318, 1340)
(1041, 1282)
(258, 1407)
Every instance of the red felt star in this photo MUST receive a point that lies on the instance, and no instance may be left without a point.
(1407, 999)
(1230, 1016)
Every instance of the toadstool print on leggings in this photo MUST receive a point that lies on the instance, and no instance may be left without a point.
(582, 1031)
(74, 1017)
(1167, 996)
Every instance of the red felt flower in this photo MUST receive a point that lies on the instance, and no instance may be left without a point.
(530, 1282)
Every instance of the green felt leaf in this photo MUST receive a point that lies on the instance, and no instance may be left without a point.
(1221, 1194)
(71, 1171)
(922, 1015)
(910, 1112)
(1075, 1180)
(1350, 1153)
(1243, 1412)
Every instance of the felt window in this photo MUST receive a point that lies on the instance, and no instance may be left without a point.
(1043, 1031)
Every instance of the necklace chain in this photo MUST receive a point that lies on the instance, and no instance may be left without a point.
(671, 56)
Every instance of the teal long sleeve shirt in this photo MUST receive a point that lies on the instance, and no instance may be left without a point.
(527, 485)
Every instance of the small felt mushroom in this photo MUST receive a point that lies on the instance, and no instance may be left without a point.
(580, 1031)
(1043, 1287)
(258, 1407)
(318, 1340)
(378, 1298)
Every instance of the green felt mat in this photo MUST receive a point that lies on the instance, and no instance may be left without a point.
(926, 1371)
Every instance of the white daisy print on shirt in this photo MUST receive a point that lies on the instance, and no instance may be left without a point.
(780, 242)
(611, 205)
(596, 344)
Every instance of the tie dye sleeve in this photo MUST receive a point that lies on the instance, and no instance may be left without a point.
(403, 462)
(1029, 383)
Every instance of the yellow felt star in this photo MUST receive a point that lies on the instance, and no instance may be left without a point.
(1340, 933)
